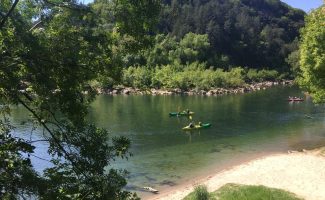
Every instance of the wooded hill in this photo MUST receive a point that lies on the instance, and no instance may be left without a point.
(250, 33)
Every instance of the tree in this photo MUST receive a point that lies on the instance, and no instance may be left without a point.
(49, 52)
(252, 33)
(193, 47)
(312, 55)
(167, 50)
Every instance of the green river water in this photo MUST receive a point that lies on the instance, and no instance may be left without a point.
(243, 127)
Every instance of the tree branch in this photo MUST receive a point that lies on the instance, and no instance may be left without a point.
(56, 140)
(34, 141)
(70, 6)
(35, 25)
(4, 19)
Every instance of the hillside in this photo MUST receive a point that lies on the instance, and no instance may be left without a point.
(253, 33)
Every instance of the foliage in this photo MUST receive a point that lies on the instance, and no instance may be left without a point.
(193, 47)
(167, 50)
(137, 77)
(235, 77)
(184, 64)
(293, 58)
(233, 192)
(16, 173)
(163, 76)
(293, 61)
(193, 76)
(256, 76)
(85, 174)
(201, 193)
(243, 192)
(312, 55)
(49, 53)
(250, 33)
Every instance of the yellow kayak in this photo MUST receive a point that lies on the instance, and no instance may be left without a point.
(188, 128)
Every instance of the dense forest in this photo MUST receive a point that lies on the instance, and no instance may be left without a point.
(217, 43)
(251, 33)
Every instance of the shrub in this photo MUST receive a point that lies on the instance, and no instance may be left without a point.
(194, 75)
(252, 75)
(138, 77)
(235, 77)
(263, 75)
(252, 192)
(105, 82)
(211, 78)
(268, 75)
(201, 193)
(163, 77)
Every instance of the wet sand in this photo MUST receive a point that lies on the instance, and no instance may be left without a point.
(302, 173)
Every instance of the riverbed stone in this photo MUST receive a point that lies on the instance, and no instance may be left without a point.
(212, 91)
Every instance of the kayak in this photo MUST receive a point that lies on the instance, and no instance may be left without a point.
(180, 113)
(206, 125)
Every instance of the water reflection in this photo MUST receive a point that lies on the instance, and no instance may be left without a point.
(242, 126)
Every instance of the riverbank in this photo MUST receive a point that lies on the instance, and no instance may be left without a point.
(177, 91)
(302, 173)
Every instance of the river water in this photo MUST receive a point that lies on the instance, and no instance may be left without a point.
(243, 126)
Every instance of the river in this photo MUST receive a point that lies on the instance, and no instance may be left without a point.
(244, 126)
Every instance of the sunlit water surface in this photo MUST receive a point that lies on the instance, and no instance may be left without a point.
(243, 127)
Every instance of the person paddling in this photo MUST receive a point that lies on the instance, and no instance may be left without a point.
(187, 111)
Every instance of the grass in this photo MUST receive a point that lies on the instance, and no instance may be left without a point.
(244, 192)
(201, 192)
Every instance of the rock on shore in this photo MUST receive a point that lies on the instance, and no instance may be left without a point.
(177, 91)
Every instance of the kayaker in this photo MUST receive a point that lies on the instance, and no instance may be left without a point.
(187, 111)
(200, 123)
(191, 125)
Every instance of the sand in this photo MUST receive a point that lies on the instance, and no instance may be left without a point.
(302, 173)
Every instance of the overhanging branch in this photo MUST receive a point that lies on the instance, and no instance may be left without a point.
(4, 19)
(68, 5)
(56, 140)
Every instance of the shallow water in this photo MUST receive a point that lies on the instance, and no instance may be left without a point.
(243, 126)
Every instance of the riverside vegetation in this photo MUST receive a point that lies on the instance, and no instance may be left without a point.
(50, 52)
(243, 192)
(193, 79)
(175, 66)
(208, 44)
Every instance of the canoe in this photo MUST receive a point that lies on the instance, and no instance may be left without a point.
(187, 128)
(181, 113)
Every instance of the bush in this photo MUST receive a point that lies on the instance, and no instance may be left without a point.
(201, 193)
(194, 75)
(268, 75)
(263, 75)
(235, 77)
(252, 75)
(137, 77)
(212, 78)
(163, 77)
(252, 192)
(105, 82)
(234, 192)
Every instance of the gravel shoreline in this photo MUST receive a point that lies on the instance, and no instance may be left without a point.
(122, 90)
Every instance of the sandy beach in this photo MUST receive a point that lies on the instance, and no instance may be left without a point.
(302, 173)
